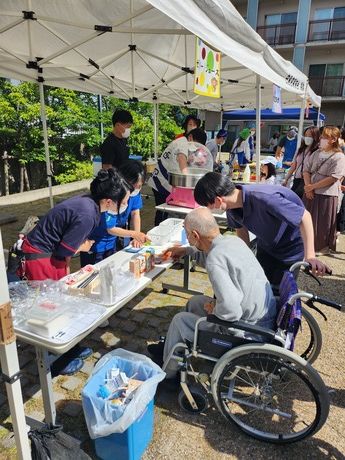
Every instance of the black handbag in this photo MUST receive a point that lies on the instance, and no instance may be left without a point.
(298, 186)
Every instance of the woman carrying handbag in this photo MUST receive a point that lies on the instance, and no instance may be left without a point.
(323, 173)
(309, 144)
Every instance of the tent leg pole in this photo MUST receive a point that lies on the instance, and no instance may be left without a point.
(301, 120)
(318, 117)
(46, 144)
(155, 128)
(258, 128)
(10, 367)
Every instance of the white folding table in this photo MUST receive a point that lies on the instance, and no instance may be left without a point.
(43, 345)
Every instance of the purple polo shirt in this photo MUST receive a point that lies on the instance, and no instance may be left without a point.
(65, 227)
(273, 213)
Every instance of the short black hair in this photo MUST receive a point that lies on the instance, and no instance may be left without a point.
(212, 185)
(122, 116)
(109, 184)
(132, 171)
(198, 135)
(191, 117)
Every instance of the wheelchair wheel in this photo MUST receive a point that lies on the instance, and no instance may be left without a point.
(200, 398)
(308, 341)
(270, 393)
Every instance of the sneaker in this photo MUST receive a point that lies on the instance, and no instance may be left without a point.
(85, 352)
(70, 368)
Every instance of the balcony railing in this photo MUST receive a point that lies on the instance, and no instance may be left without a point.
(280, 34)
(328, 86)
(326, 30)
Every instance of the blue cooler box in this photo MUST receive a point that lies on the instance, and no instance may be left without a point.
(131, 444)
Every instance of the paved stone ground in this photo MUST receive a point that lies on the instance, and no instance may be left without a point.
(179, 435)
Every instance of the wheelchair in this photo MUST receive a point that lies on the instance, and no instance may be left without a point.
(253, 375)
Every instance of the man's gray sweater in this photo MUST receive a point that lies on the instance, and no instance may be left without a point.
(239, 283)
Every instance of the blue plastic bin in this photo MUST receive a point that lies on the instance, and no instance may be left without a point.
(132, 443)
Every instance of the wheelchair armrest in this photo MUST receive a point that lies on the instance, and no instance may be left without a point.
(243, 326)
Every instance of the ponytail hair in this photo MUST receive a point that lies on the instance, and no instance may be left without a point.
(109, 184)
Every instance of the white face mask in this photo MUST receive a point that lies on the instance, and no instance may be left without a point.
(135, 192)
(123, 208)
(308, 140)
(324, 144)
(126, 133)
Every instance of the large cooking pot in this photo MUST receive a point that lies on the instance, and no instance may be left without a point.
(188, 180)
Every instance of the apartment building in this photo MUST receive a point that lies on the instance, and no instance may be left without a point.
(311, 34)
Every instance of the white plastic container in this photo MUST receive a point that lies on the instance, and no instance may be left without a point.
(160, 235)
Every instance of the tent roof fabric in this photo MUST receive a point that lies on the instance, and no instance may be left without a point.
(267, 114)
(142, 49)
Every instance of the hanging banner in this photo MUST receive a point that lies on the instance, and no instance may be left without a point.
(207, 70)
(277, 99)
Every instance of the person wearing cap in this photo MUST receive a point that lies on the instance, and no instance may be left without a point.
(213, 144)
(241, 148)
(268, 171)
(289, 144)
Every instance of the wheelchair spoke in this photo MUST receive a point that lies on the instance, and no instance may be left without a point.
(268, 398)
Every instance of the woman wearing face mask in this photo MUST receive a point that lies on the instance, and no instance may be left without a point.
(66, 229)
(105, 234)
(309, 144)
(323, 173)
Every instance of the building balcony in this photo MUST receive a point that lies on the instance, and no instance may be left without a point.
(328, 86)
(326, 30)
(280, 34)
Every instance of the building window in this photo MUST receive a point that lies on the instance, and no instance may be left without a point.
(327, 79)
(279, 29)
(328, 24)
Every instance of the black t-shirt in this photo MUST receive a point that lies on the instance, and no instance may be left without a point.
(114, 151)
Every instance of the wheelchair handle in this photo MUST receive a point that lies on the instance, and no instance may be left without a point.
(327, 302)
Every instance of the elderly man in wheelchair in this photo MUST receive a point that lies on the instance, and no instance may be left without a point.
(238, 346)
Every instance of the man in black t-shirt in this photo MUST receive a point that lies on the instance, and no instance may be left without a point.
(114, 150)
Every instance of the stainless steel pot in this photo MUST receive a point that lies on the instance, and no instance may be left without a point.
(188, 180)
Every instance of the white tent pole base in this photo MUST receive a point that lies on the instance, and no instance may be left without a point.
(10, 367)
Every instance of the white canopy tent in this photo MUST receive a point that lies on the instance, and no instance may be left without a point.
(141, 50)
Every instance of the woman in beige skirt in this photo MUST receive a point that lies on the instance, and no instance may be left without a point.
(323, 173)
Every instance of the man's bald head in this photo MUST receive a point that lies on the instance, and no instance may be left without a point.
(202, 221)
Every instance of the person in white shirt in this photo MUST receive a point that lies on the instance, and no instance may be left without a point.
(176, 158)
(268, 171)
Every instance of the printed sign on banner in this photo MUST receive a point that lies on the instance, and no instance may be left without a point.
(277, 99)
(207, 70)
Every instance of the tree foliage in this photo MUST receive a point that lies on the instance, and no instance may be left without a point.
(73, 127)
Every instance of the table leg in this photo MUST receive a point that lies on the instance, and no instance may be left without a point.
(185, 287)
(43, 363)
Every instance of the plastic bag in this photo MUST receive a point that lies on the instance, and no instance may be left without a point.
(103, 418)
(51, 443)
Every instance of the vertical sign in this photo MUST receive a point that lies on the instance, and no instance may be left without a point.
(277, 99)
(207, 70)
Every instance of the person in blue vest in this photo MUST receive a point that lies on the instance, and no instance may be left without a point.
(287, 147)
(113, 225)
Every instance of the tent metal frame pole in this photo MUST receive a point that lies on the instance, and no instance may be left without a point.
(318, 117)
(46, 144)
(301, 118)
(100, 111)
(258, 128)
(155, 129)
(10, 367)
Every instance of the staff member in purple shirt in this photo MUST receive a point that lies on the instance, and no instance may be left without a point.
(275, 214)
(65, 229)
